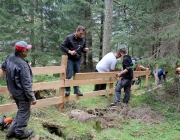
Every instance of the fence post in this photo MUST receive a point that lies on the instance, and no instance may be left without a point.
(156, 76)
(62, 77)
(147, 76)
(110, 87)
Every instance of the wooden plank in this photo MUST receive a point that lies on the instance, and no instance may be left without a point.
(38, 86)
(94, 75)
(48, 70)
(2, 73)
(40, 103)
(48, 85)
(42, 70)
(97, 75)
(69, 83)
(64, 60)
(141, 73)
(4, 90)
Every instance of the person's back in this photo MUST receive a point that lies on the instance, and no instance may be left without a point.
(15, 67)
(107, 63)
(160, 72)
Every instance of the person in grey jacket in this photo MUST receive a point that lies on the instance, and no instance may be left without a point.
(19, 84)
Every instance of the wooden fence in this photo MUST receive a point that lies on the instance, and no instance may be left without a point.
(80, 79)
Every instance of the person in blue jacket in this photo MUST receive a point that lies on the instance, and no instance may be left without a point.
(161, 73)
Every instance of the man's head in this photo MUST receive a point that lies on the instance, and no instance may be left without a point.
(117, 54)
(22, 48)
(80, 31)
(166, 72)
(122, 51)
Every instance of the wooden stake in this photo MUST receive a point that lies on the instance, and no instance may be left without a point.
(63, 77)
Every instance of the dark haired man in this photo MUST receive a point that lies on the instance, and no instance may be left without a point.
(161, 72)
(126, 80)
(19, 83)
(73, 46)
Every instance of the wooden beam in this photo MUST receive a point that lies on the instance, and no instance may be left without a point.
(38, 86)
(48, 85)
(40, 103)
(94, 75)
(4, 90)
(69, 83)
(2, 73)
(48, 70)
(64, 60)
(97, 75)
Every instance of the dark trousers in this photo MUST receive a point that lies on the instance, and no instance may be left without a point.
(22, 117)
(126, 84)
(99, 86)
(73, 67)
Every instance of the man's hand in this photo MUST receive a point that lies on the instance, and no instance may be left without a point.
(86, 49)
(72, 52)
(33, 102)
(118, 75)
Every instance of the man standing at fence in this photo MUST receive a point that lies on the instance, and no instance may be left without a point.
(73, 46)
(126, 80)
(19, 83)
(106, 64)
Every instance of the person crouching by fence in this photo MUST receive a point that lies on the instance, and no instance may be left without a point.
(161, 73)
(126, 80)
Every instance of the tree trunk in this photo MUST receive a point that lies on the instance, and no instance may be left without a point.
(107, 27)
(32, 32)
(88, 18)
(101, 34)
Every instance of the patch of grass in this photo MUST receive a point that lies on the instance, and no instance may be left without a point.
(125, 128)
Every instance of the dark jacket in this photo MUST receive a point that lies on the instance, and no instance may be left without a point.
(18, 77)
(72, 43)
(127, 64)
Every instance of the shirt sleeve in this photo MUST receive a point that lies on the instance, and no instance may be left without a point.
(164, 77)
(84, 46)
(64, 45)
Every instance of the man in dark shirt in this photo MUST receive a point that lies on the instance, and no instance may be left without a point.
(73, 46)
(19, 83)
(126, 80)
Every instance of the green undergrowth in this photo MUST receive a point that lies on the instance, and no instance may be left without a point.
(162, 103)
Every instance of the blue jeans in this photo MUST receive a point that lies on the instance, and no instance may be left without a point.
(126, 84)
(73, 67)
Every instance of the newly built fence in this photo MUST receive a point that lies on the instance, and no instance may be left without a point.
(80, 79)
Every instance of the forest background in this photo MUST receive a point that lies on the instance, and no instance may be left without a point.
(148, 28)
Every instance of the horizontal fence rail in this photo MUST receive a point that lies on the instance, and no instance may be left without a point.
(80, 79)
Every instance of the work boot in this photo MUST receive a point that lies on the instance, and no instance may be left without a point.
(25, 135)
(78, 93)
(10, 134)
(67, 93)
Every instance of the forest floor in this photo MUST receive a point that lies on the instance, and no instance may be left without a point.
(152, 115)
